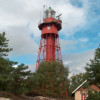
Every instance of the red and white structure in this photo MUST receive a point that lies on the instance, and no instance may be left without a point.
(49, 49)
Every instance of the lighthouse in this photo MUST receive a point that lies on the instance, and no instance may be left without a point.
(49, 49)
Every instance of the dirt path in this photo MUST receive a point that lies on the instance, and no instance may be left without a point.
(17, 97)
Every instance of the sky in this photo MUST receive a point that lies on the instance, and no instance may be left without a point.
(79, 37)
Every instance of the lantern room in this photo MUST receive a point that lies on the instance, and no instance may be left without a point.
(49, 13)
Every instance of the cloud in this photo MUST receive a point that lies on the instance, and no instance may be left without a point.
(77, 62)
(83, 46)
(74, 18)
(83, 39)
(21, 41)
(67, 45)
(19, 19)
(32, 67)
(15, 66)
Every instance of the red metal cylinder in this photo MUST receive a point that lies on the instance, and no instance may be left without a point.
(50, 47)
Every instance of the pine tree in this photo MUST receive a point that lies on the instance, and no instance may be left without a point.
(19, 79)
(76, 80)
(93, 69)
(5, 64)
(4, 45)
(53, 79)
(11, 79)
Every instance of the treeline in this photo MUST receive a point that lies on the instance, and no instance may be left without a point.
(50, 79)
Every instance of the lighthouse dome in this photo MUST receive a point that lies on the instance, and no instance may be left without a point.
(49, 13)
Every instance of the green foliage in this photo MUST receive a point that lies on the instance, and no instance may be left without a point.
(5, 64)
(53, 78)
(19, 79)
(33, 82)
(4, 45)
(11, 79)
(5, 71)
(93, 95)
(76, 80)
(50, 79)
(93, 69)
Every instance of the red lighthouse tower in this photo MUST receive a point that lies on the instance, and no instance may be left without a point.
(49, 49)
